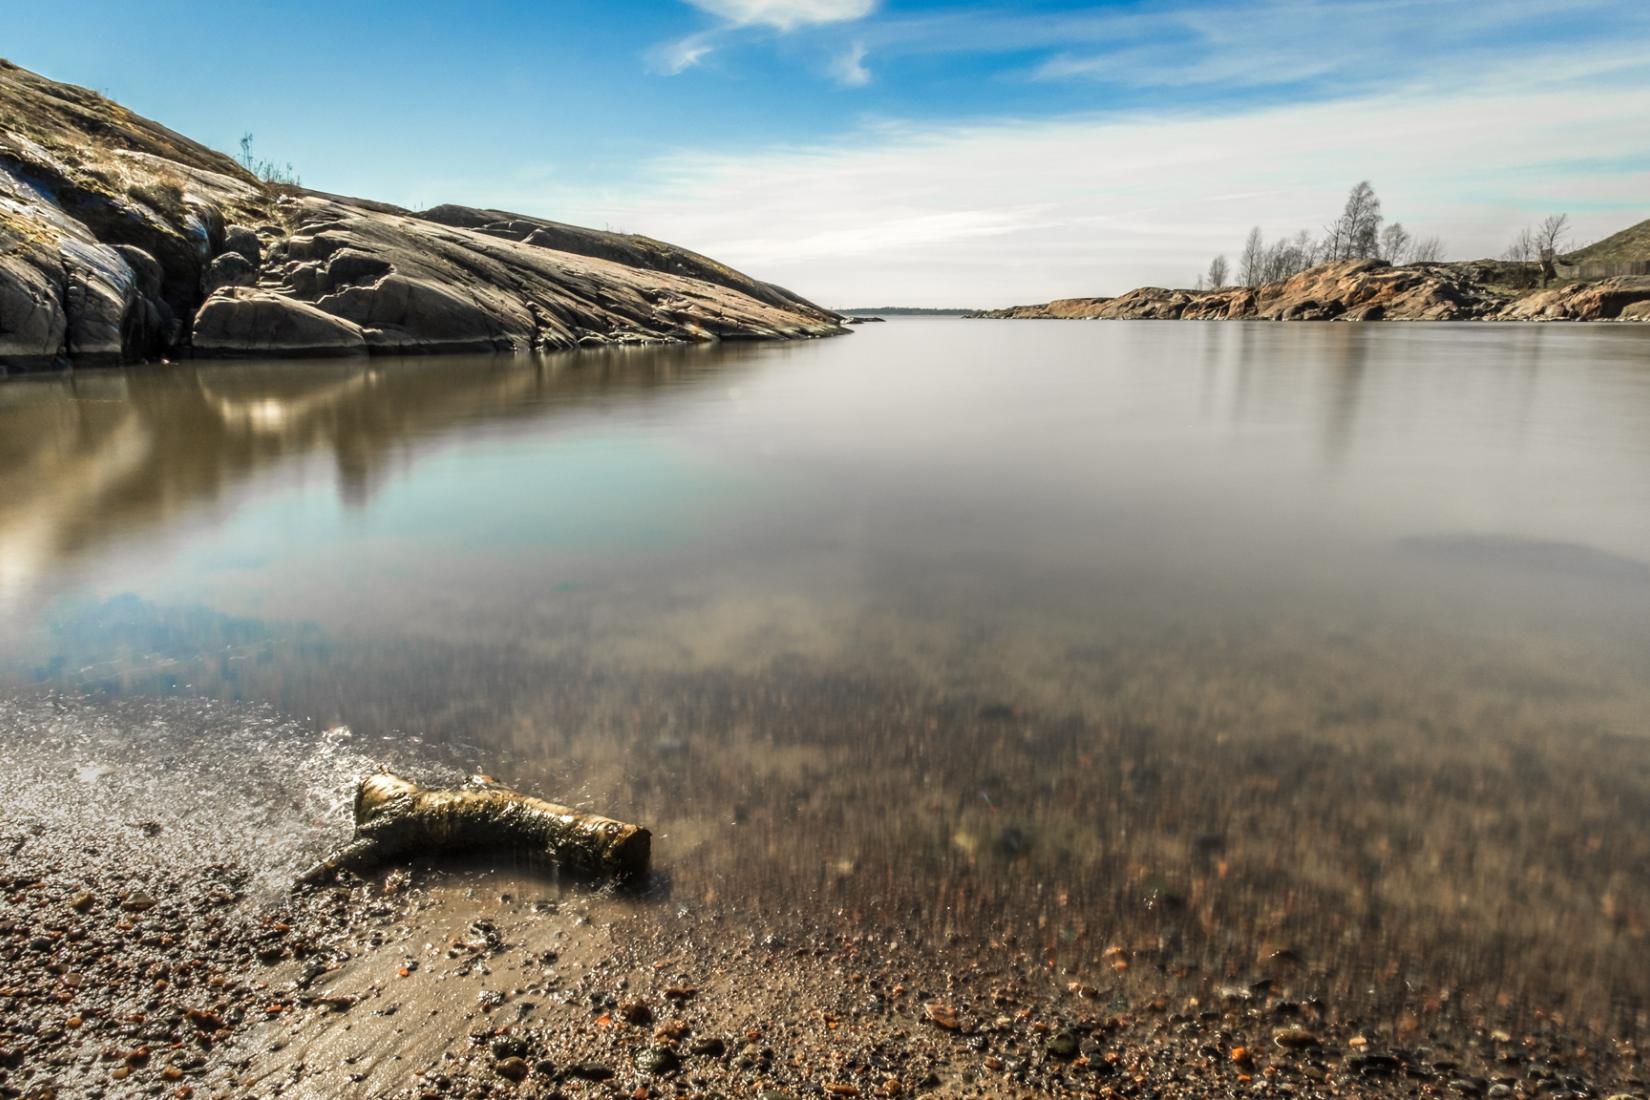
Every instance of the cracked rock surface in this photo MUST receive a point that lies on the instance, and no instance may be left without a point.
(122, 241)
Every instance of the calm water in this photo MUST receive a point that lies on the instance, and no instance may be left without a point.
(1234, 634)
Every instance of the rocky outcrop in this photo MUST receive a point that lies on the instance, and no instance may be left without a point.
(1060, 308)
(1361, 290)
(121, 241)
(1624, 299)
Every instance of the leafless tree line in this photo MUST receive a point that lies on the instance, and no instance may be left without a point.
(1356, 234)
(1535, 250)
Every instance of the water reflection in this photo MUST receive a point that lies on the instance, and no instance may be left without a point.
(93, 456)
(1180, 636)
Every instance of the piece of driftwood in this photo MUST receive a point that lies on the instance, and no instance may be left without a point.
(396, 819)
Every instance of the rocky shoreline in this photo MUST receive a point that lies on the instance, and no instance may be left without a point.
(1363, 290)
(133, 979)
(168, 955)
(127, 242)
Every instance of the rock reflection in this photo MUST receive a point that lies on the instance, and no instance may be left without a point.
(94, 456)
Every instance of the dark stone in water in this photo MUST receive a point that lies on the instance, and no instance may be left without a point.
(509, 1046)
(590, 1071)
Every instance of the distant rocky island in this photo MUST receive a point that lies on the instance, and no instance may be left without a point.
(1375, 290)
(122, 241)
(905, 311)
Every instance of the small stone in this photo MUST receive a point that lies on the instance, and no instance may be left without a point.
(709, 1048)
(509, 1046)
(636, 1012)
(1372, 1065)
(590, 1071)
(657, 1060)
(942, 1015)
(513, 1069)
(1062, 1045)
(1294, 1038)
(82, 901)
(137, 902)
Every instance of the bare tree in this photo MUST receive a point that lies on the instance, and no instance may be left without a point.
(1429, 250)
(1523, 253)
(1523, 249)
(1358, 230)
(1551, 236)
(1553, 233)
(1307, 249)
(1198, 286)
(1217, 272)
(1252, 262)
(1330, 248)
(1396, 244)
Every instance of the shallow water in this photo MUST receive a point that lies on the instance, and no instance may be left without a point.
(1226, 636)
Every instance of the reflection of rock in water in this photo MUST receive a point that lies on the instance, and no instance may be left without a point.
(1511, 552)
(85, 458)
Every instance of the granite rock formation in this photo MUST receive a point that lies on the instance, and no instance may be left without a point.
(122, 241)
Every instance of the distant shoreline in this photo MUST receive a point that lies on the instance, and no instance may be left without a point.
(906, 311)
(1364, 290)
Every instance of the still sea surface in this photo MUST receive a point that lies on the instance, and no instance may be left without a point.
(1322, 640)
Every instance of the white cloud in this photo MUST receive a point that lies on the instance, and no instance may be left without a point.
(849, 68)
(679, 56)
(785, 15)
(1015, 211)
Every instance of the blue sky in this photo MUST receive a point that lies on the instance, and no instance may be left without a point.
(870, 151)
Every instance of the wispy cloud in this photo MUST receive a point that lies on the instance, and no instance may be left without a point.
(849, 67)
(785, 15)
(745, 16)
(1024, 210)
(676, 57)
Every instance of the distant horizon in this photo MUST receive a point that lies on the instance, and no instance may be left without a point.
(927, 152)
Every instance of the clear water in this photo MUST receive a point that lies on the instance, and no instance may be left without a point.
(981, 623)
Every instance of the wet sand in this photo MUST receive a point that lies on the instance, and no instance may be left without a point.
(152, 946)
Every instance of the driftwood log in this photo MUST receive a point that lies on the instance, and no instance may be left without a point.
(396, 819)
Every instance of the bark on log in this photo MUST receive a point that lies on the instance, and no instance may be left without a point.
(395, 819)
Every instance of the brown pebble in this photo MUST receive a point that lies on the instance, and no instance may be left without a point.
(941, 1014)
